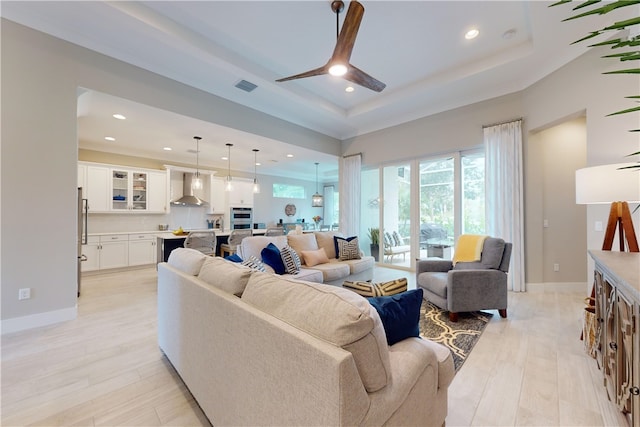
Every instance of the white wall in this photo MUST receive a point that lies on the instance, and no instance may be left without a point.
(40, 76)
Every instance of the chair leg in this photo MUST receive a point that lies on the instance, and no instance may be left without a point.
(453, 316)
(503, 313)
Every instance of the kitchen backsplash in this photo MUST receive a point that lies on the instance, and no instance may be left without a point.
(185, 217)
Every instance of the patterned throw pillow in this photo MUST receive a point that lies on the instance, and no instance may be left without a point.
(397, 239)
(368, 289)
(254, 263)
(388, 240)
(348, 249)
(290, 259)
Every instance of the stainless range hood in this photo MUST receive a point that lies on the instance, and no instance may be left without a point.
(188, 199)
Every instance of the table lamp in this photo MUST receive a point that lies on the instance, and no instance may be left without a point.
(615, 185)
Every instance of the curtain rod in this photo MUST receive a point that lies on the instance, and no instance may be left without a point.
(502, 123)
(351, 155)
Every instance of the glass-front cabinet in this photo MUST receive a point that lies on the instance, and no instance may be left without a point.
(129, 190)
(120, 189)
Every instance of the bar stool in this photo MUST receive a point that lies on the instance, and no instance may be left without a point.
(203, 241)
(235, 238)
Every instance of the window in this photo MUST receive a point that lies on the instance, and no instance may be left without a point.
(289, 191)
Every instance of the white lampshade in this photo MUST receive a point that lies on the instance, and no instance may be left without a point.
(607, 184)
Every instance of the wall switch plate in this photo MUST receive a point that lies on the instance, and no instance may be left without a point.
(556, 267)
(598, 226)
(24, 293)
(545, 223)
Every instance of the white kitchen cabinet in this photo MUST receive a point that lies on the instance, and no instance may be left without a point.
(98, 188)
(114, 251)
(157, 192)
(92, 251)
(107, 251)
(142, 249)
(242, 194)
(129, 190)
(217, 197)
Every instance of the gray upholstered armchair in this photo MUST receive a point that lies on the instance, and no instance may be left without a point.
(469, 286)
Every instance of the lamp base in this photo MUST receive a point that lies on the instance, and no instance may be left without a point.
(620, 217)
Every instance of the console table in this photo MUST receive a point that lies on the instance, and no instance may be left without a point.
(617, 293)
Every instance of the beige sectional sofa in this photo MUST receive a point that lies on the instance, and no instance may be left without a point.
(335, 272)
(290, 352)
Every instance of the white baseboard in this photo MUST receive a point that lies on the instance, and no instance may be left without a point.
(36, 320)
(558, 287)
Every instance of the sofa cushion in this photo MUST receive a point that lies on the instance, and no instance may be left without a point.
(291, 260)
(341, 239)
(313, 258)
(492, 251)
(333, 314)
(187, 260)
(272, 257)
(302, 242)
(359, 265)
(226, 275)
(370, 289)
(253, 245)
(333, 270)
(325, 240)
(348, 248)
(400, 314)
(254, 263)
(435, 282)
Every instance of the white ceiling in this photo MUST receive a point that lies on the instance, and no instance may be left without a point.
(416, 47)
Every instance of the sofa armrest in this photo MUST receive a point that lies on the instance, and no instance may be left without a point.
(420, 370)
(469, 290)
(433, 265)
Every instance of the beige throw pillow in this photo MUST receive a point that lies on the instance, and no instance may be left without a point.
(226, 275)
(316, 257)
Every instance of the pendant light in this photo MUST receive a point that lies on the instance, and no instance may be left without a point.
(228, 186)
(316, 199)
(196, 184)
(256, 186)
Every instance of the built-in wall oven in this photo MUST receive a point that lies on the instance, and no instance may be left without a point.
(241, 218)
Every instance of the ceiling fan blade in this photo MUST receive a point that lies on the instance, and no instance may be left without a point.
(348, 33)
(361, 78)
(317, 72)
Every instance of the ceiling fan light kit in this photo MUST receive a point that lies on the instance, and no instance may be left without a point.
(339, 64)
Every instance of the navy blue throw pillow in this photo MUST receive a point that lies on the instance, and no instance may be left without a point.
(233, 258)
(271, 256)
(400, 314)
(335, 243)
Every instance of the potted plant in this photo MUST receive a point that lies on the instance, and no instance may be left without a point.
(374, 236)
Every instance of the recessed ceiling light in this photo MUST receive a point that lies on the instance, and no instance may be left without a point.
(167, 148)
(224, 158)
(119, 116)
(471, 34)
(349, 89)
(109, 138)
(258, 164)
(289, 155)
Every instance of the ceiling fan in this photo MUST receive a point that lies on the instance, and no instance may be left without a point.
(339, 64)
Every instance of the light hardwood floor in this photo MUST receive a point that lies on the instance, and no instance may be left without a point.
(105, 368)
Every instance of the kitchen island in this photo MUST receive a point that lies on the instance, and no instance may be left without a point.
(167, 241)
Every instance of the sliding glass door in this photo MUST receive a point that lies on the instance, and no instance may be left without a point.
(395, 234)
(437, 207)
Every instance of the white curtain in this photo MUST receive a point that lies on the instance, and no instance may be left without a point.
(504, 198)
(349, 174)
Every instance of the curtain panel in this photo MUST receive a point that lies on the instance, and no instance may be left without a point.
(349, 173)
(504, 193)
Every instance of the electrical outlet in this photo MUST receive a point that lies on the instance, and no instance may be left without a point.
(556, 267)
(598, 226)
(24, 293)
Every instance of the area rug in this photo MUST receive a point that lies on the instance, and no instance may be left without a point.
(459, 336)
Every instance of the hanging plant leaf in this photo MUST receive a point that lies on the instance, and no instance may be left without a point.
(623, 24)
(604, 9)
(628, 110)
(629, 71)
(585, 4)
(624, 56)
